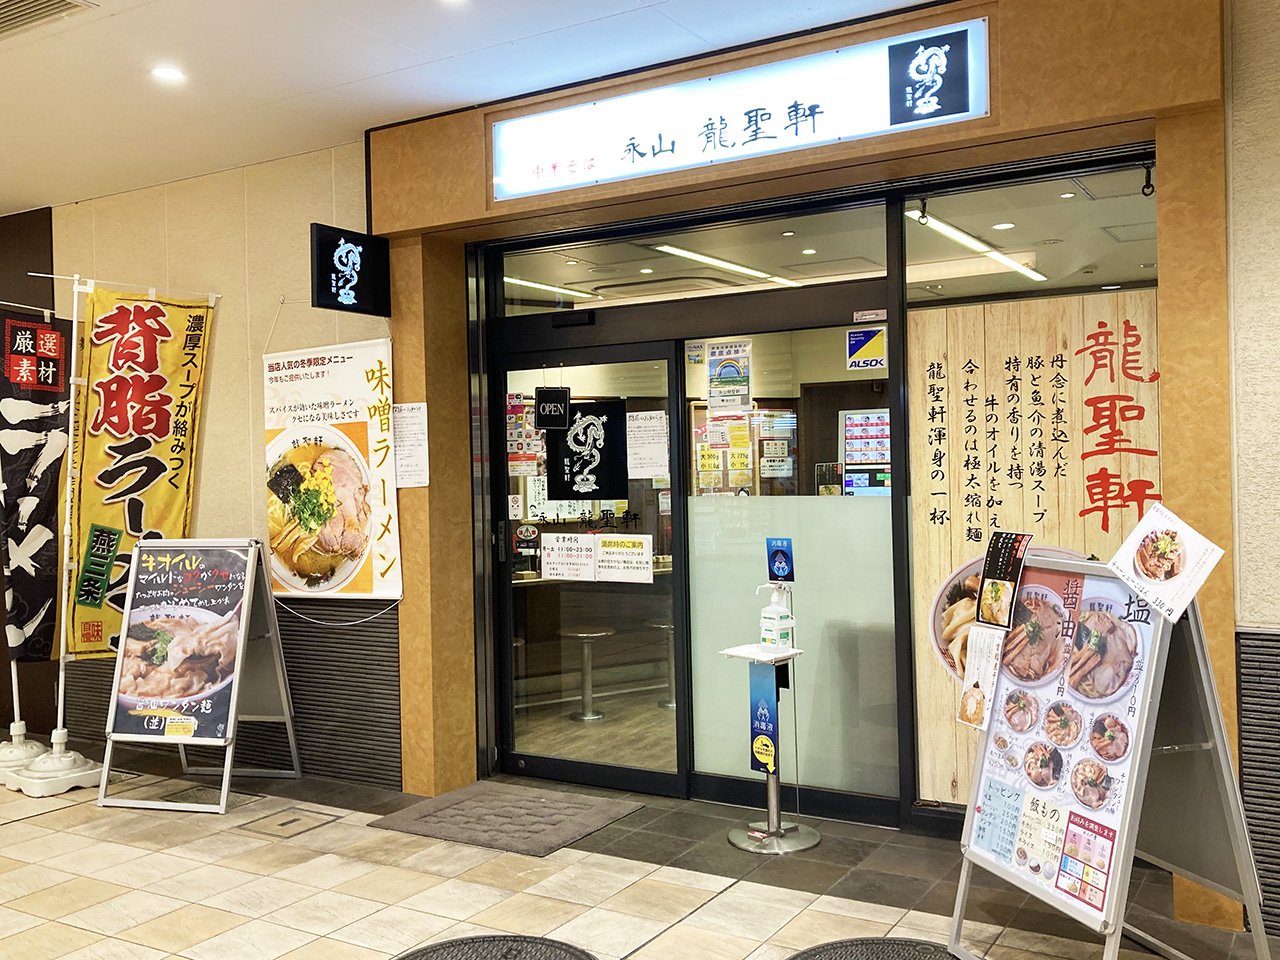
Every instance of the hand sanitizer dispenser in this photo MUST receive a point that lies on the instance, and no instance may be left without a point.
(777, 625)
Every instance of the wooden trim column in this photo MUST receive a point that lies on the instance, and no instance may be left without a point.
(437, 650)
(1195, 391)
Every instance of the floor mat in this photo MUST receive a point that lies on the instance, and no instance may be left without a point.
(503, 816)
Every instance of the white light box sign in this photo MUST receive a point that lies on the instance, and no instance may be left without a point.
(921, 79)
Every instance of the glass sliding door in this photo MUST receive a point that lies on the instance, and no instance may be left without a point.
(591, 628)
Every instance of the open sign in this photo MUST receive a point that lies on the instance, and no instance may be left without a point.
(551, 408)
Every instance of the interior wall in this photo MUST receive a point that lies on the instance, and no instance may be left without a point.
(1253, 140)
(244, 234)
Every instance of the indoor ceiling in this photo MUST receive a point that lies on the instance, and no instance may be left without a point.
(83, 117)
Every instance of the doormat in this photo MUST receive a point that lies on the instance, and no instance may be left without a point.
(503, 816)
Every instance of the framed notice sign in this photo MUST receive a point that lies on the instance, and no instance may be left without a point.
(199, 630)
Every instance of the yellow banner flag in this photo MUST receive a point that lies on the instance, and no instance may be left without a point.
(137, 416)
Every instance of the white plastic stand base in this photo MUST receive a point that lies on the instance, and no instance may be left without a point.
(19, 751)
(55, 772)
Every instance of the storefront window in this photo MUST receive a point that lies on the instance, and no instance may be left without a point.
(738, 257)
(1094, 231)
(808, 458)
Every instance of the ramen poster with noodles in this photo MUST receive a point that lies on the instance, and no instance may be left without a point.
(330, 484)
(1057, 759)
(176, 672)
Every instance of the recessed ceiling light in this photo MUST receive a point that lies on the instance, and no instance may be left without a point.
(646, 269)
(571, 263)
(809, 252)
(1049, 242)
(168, 74)
(1147, 266)
(1111, 286)
(1003, 226)
(1066, 196)
(788, 233)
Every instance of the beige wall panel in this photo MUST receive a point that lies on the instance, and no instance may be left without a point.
(72, 249)
(348, 187)
(206, 251)
(129, 237)
(1254, 137)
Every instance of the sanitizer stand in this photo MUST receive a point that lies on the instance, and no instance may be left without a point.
(774, 835)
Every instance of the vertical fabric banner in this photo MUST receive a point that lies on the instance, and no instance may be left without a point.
(34, 387)
(137, 419)
(331, 477)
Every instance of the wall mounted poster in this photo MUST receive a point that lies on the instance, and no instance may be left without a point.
(589, 460)
(331, 479)
(1165, 561)
(34, 387)
(1067, 718)
(137, 422)
(177, 671)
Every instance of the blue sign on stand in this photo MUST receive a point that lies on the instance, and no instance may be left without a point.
(764, 718)
(781, 564)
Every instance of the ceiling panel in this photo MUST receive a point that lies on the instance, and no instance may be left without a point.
(270, 79)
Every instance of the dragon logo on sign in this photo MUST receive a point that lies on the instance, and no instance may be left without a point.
(926, 71)
(346, 257)
(586, 440)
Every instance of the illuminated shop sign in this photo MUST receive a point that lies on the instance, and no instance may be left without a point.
(901, 83)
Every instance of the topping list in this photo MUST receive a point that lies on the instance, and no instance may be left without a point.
(1057, 755)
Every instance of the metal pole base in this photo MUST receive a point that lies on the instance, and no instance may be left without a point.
(667, 704)
(793, 838)
(581, 717)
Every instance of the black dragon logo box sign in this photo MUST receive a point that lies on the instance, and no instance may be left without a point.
(589, 460)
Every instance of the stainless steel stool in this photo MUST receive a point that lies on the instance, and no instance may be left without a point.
(668, 626)
(588, 636)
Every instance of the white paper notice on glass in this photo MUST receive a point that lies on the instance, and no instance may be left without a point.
(985, 645)
(777, 466)
(1164, 561)
(624, 558)
(409, 428)
(647, 445)
(515, 506)
(538, 507)
(568, 556)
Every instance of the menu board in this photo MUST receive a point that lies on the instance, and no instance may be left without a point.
(866, 436)
(176, 673)
(1056, 762)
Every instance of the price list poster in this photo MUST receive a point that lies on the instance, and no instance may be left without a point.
(1035, 415)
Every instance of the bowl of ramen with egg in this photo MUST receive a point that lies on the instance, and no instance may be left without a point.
(318, 508)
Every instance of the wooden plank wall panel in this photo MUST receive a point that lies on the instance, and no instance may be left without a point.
(1025, 364)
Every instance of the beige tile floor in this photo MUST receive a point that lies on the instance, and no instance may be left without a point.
(81, 882)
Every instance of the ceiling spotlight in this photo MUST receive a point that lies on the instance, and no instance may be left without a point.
(646, 269)
(809, 252)
(1147, 266)
(1066, 196)
(168, 74)
(1003, 226)
(548, 288)
(788, 233)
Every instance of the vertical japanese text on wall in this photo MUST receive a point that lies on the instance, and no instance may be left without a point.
(331, 481)
(137, 421)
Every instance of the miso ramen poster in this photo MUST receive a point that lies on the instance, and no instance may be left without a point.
(1057, 761)
(331, 483)
(180, 653)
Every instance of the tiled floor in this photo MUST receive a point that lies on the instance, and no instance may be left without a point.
(302, 879)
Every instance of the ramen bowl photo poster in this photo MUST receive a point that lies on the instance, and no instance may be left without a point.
(330, 483)
(181, 648)
(1164, 561)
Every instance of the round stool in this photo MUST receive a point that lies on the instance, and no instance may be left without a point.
(666, 625)
(588, 636)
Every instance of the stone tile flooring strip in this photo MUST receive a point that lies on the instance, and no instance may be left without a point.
(324, 912)
(184, 927)
(286, 823)
(529, 914)
(78, 893)
(392, 929)
(261, 896)
(258, 939)
(518, 819)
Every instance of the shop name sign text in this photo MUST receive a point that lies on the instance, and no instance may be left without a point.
(920, 79)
